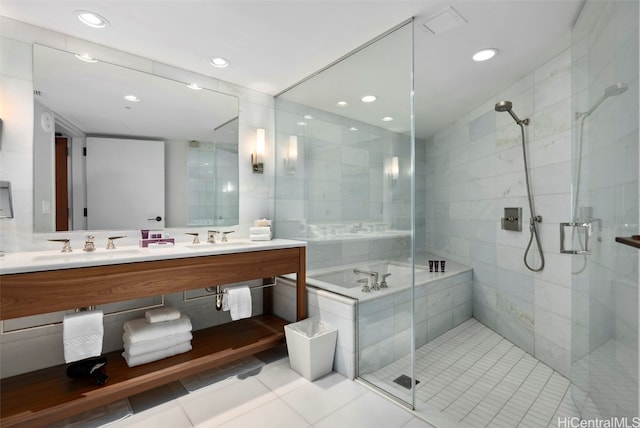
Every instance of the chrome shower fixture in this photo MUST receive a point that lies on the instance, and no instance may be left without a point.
(611, 91)
(506, 106)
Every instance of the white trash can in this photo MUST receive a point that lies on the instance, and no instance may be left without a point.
(311, 345)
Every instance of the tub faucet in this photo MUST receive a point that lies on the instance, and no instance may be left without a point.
(383, 283)
(372, 275)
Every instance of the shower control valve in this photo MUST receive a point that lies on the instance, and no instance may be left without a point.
(512, 219)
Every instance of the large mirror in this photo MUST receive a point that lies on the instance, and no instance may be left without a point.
(78, 101)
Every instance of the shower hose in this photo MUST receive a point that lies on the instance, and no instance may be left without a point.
(533, 223)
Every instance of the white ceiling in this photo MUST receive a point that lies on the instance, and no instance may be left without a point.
(274, 44)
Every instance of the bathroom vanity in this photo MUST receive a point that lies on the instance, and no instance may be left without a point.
(43, 396)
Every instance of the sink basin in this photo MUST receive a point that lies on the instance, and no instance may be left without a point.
(98, 254)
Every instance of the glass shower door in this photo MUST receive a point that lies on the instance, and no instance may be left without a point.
(605, 206)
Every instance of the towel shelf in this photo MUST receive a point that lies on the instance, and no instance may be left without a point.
(45, 396)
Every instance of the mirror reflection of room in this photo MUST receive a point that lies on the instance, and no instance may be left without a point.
(78, 103)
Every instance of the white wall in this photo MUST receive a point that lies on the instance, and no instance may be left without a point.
(37, 348)
(474, 169)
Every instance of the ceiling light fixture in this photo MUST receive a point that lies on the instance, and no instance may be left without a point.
(194, 86)
(387, 119)
(308, 117)
(485, 54)
(86, 58)
(368, 98)
(219, 62)
(131, 98)
(353, 128)
(91, 19)
(342, 103)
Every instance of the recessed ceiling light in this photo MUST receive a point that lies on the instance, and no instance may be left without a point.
(387, 119)
(353, 128)
(86, 58)
(131, 98)
(485, 54)
(219, 62)
(308, 117)
(194, 86)
(301, 123)
(368, 98)
(91, 19)
(342, 103)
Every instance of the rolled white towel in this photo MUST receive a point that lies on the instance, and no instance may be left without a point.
(263, 230)
(262, 222)
(162, 314)
(140, 330)
(136, 360)
(135, 349)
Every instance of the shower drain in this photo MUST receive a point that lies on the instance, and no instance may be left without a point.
(405, 381)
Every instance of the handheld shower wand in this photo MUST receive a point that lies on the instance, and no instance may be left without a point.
(503, 106)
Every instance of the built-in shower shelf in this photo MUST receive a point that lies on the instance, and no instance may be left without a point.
(633, 241)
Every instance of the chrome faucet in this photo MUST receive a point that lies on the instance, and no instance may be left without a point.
(110, 244)
(372, 275)
(365, 285)
(66, 247)
(383, 283)
(89, 244)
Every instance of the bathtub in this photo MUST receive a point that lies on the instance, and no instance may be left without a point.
(342, 280)
(383, 326)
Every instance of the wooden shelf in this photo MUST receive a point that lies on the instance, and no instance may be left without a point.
(633, 241)
(43, 396)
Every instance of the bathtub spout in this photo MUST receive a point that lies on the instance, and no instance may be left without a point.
(372, 275)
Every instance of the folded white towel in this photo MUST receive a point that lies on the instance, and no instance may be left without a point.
(260, 237)
(145, 346)
(140, 330)
(237, 300)
(264, 230)
(136, 360)
(162, 314)
(82, 334)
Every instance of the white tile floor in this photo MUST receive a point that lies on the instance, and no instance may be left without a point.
(280, 398)
(469, 377)
(473, 377)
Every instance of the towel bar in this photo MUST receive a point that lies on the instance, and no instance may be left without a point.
(216, 292)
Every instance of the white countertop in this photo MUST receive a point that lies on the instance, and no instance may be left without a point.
(38, 261)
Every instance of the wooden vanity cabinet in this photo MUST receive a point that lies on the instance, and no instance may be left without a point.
(43, 396)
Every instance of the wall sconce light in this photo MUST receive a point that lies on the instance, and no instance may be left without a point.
(394, 170)
(258, 154)
(292, 158)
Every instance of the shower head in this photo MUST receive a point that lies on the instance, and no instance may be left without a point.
(616, 89)
(506, 106)
(611, 91)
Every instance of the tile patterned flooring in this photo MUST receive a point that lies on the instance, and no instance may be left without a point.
(469, 377)
(277, 397)
(473, 377)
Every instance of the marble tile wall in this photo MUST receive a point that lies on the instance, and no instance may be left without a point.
(474, 169)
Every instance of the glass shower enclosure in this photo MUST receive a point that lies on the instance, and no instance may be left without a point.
(344, 183)
(604, 309)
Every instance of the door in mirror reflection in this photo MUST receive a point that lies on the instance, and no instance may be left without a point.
(123, 192)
